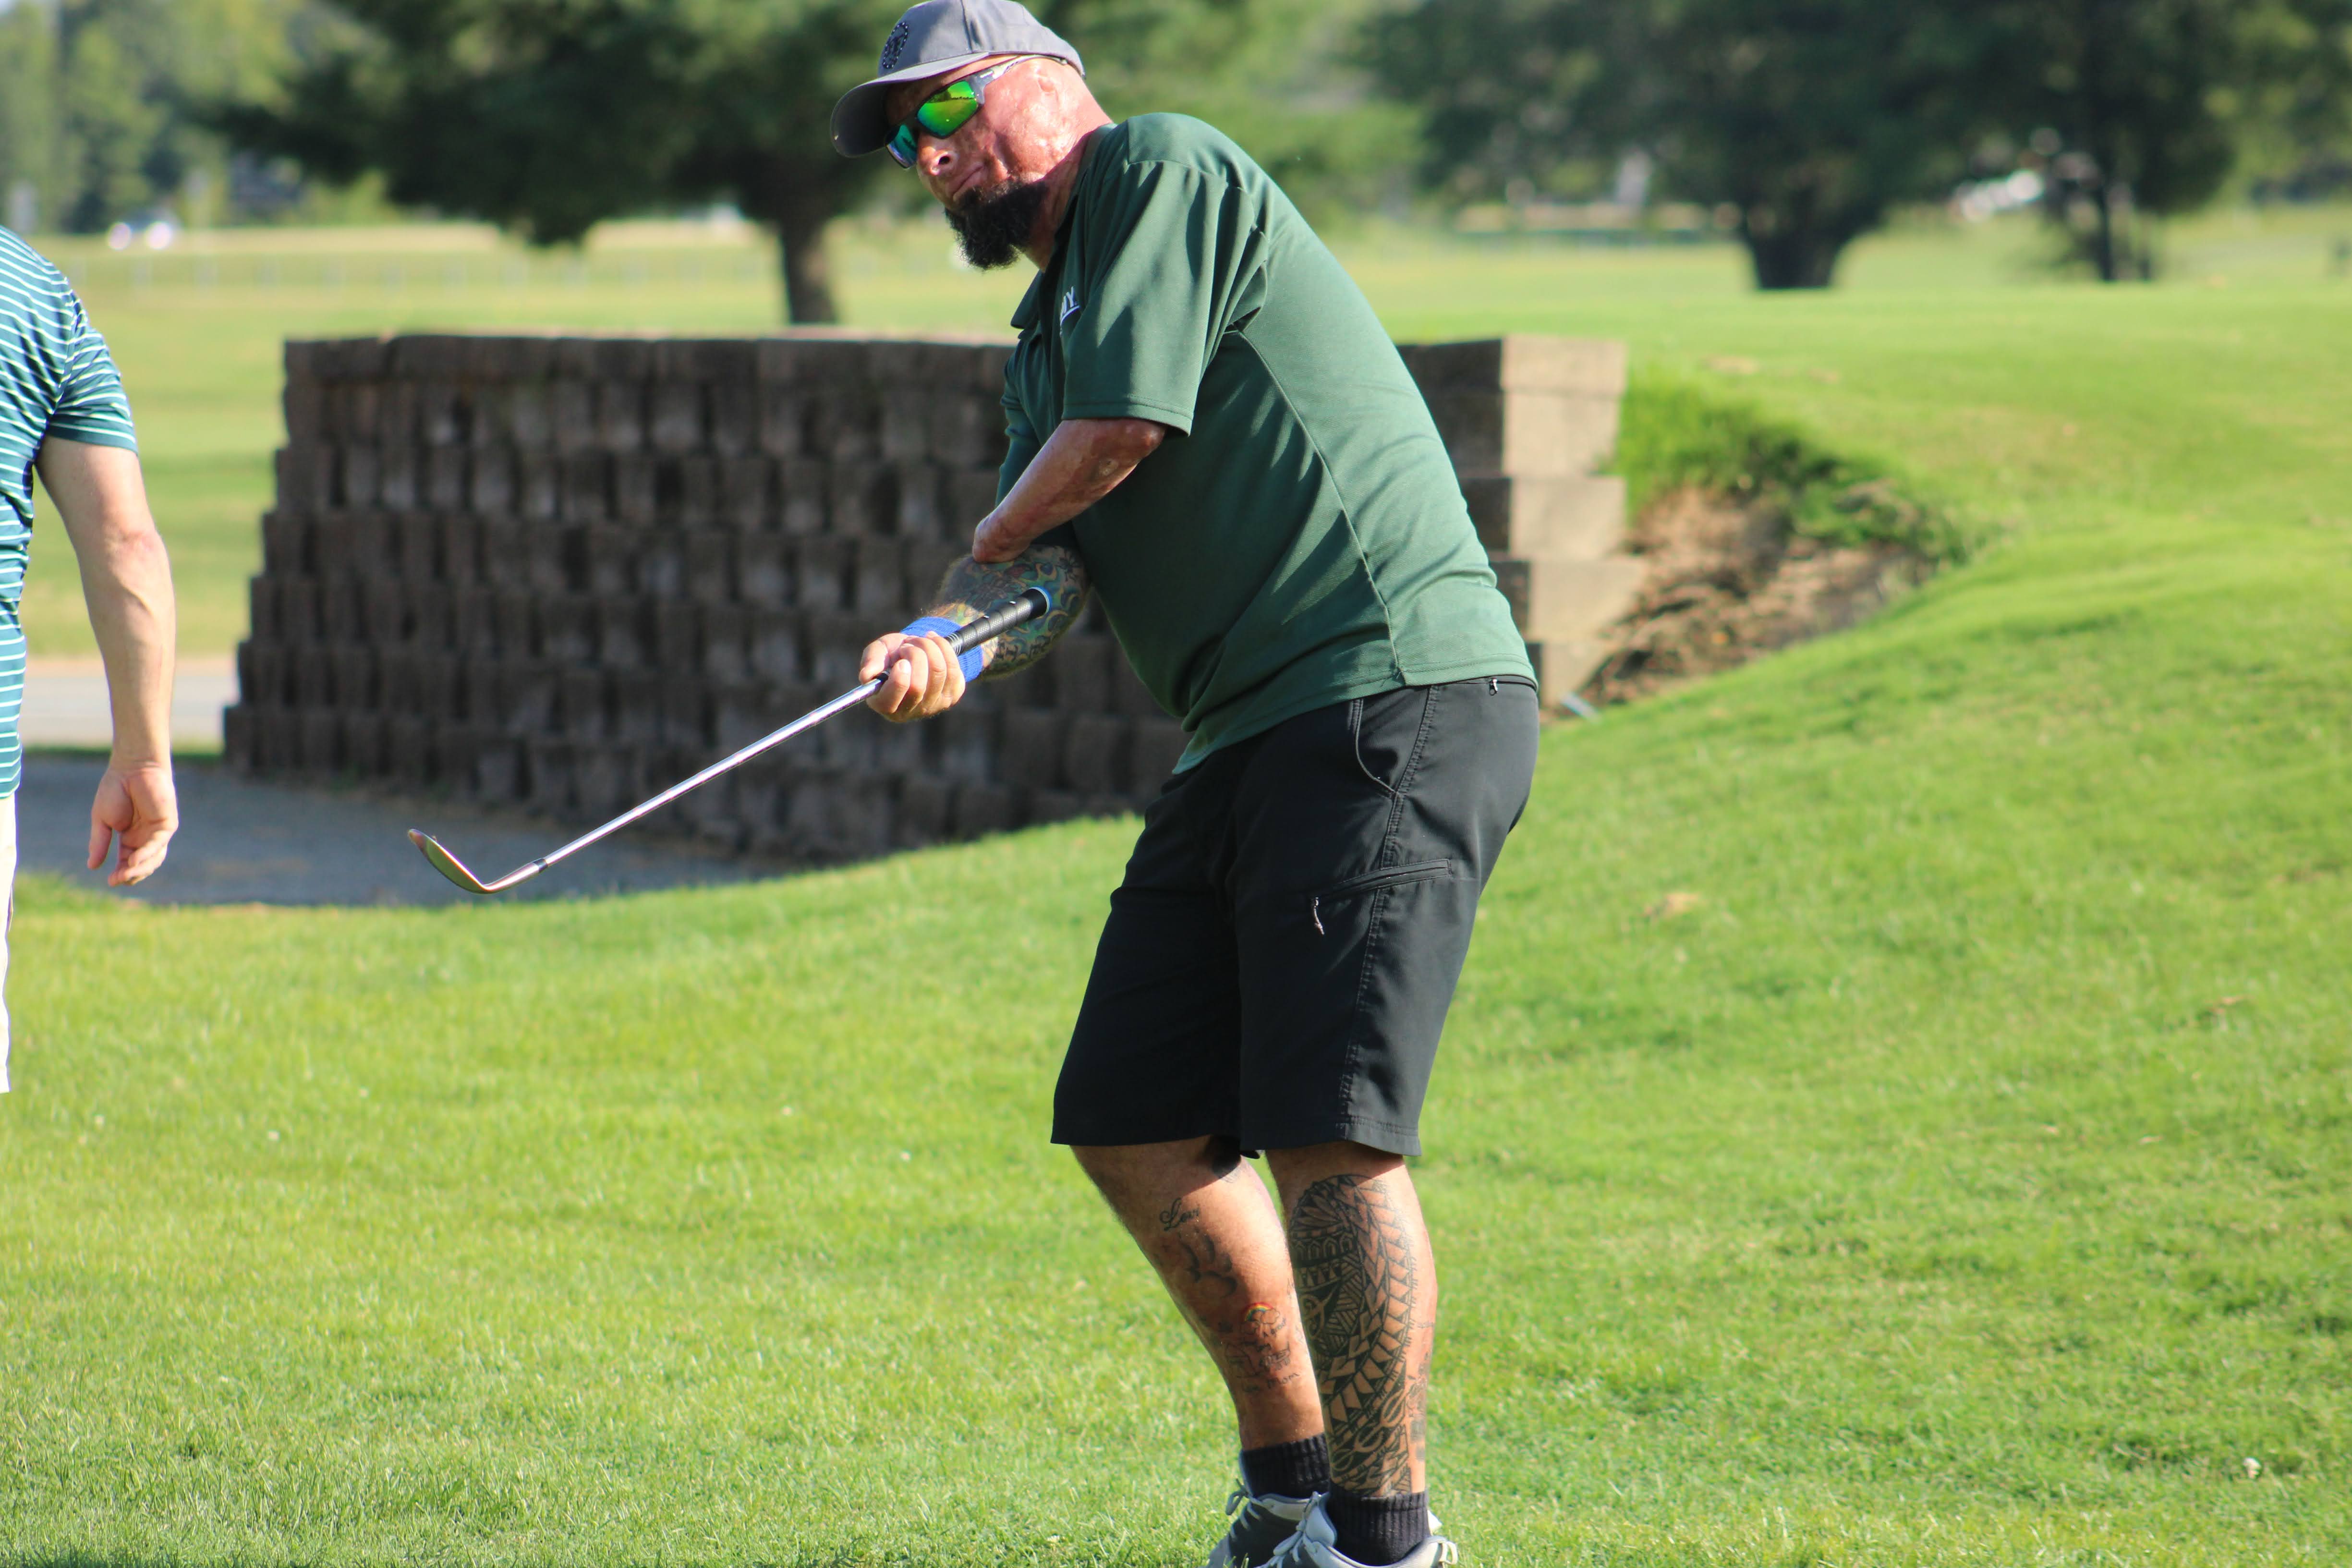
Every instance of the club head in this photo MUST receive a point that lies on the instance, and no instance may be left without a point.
(449, 865)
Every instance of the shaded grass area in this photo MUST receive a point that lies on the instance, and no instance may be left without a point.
(1962, 1179)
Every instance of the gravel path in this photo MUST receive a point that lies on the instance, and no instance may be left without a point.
(244, 842)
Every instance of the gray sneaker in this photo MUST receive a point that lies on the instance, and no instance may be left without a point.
(1260, 1526)
(1314, 1546)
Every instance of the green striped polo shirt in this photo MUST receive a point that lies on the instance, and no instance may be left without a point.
(56, 379)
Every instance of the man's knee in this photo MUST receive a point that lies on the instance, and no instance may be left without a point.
(1119, 1169)
(1297, 1169)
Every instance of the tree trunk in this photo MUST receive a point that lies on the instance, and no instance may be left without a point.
(808, 278)
(2103, 241)
(1792, 255)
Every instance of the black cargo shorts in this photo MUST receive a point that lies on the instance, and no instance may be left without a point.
(1280, 955)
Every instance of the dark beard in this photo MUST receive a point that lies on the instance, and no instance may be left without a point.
(992, 226)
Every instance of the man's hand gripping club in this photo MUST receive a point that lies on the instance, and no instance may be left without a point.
(1083, 461)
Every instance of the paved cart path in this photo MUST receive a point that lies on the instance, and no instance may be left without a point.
(247, 842)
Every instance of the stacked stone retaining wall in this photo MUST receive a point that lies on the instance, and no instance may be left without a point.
(563, 573)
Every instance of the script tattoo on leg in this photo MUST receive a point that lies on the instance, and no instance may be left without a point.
(1359, 1291)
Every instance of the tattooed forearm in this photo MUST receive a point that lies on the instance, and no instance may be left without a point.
(971, 589)
(1359, 1291)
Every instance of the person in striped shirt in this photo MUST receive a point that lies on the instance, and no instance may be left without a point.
(62, 411)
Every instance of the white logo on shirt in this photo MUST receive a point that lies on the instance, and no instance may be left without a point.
(1070, 303)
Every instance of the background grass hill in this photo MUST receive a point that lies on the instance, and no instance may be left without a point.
(1899, 1111)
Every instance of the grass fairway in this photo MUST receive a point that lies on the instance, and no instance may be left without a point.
(1962, 1180)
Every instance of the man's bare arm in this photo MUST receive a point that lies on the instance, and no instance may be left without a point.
(126, 581)
(1081, 462)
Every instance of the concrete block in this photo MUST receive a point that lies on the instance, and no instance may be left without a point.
(399, 481)
(286, 543)
(772, 645)
(262, 620)
(506, 551)
(834, 641)
(314, 683)
(966, 432)
(367, 742)
(1563, 665)
(539, 487)
(1528, 435)
(726, 641)
(358, 477)
(582, 708)
(1568, 599)
(677, 644)
(454, 749)
(530, 422)
(587, 488)
(622, 359)
(822, 568)
(843, 744)
(684, 708)
(709, 565)
(661, 563)
(983, 808)
(609, 559)
(491, 487)
(800, 495)
(636, 490)
(571, 417)
(352, 671)
(302, 611)
(1029, 749)
(567, 629)
(638, 702)
(925, 805)
(918, 490)
(689, 491)
(1591, 367)
(321, 743)
(549, 570)
(440, 687)
(444, 418)
(859, 498)
(1055, 805)
(878, 583)
(1577, 519)
(784, 420)
(675, 417)
(427, 355)
(396, 422)
(964, 743)
(1152, 753)
(1095, 753)
(967, 497)
(301, 359)
(476, 633)
(746, 500)
(432, 617)
(461, 550)
(844, 426)
(238, 732)
(621, 633)
(903, 422)
(1081, 666)
(397, 682)
(419, 537)
(279, 744)
(306, 479)
(341, 614)
(353, 359)
(762, 569)
(523, 697)
(501, 771)
(734, 418)
(516, 615)
(304, 403)
(361, 405)
(926, 567)
(553, 764)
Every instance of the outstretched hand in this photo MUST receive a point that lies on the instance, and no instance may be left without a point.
(137, 806)
(925, 677)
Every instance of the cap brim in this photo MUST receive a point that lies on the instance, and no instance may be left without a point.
(859, 124)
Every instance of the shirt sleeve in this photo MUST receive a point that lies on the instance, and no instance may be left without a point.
(1174, 243)
(92, 405)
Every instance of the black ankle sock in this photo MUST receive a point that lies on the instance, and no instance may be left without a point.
(1287, 1470)
(1377, 1529)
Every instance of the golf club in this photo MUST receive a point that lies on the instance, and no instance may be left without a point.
(1032, 603)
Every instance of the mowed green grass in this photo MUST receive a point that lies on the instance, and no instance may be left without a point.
(1963, 1180)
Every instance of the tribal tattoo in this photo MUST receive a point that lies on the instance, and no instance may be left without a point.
(971, 590)
(1361, 1293)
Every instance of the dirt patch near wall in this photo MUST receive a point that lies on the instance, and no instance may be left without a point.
(1726, 582)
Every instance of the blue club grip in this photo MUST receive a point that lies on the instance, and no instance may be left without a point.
(966, 640)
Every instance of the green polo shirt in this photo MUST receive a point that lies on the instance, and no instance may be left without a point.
(1300, 539)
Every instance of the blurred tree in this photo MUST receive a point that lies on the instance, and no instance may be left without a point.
(28, 110)
(2146, 104)
(1812, 118)
(549, 115)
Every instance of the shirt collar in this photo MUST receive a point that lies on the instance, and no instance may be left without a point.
(1033, 303)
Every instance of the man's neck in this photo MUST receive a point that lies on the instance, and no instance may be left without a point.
(1060, 184)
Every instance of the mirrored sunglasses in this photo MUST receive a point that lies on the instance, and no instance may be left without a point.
(944, 113)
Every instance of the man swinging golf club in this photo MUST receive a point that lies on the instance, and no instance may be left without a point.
(1209, 429)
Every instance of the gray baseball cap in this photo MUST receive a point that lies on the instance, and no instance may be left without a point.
(935, 37)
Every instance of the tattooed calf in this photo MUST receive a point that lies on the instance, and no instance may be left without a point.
(1360, 1294)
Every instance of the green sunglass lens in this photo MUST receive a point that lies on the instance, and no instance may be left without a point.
(945, 115)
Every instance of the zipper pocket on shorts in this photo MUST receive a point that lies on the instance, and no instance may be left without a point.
(1372, 882)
